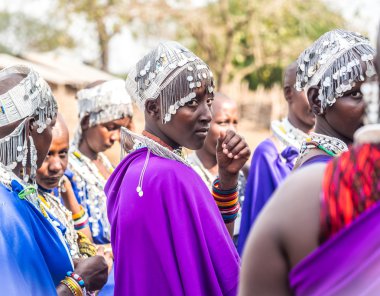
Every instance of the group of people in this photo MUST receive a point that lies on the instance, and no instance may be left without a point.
(164, 222)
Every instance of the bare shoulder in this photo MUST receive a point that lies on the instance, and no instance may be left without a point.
(284, 233)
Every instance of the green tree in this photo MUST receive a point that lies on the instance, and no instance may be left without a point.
(254, 40)
(28, 33)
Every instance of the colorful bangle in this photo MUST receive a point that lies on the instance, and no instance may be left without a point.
(227, 201)
(73, 286)
(80, 219)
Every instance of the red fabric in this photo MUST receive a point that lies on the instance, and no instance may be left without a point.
(351, 185)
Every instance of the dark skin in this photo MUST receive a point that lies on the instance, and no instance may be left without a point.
(52, 170)
(100, 138)
(189, 127)
(299, 111)
(224, 117)
(94, 270)
(286, 232)
(340, 120)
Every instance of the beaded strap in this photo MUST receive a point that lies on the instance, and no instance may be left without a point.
(80, 219)
(227, 201)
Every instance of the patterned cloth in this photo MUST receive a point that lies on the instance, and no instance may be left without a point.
(350, 187)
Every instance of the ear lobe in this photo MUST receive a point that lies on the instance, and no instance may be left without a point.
(85, 123)
(314, 102)
(152, 108)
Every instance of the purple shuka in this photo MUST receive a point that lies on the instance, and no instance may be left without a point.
(317, 159)
(347, 264)
(172, 240)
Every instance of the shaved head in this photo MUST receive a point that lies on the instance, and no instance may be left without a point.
(7, 82)
(219, 99)
(10, 81)
(60, 129)
(290, 75)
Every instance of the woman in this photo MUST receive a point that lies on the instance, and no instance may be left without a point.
(104, 106)
(332, 71)
(34, 256)
(160, 210)
(319, 233)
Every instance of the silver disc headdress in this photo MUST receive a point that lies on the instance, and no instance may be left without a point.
(171, 73)
(103, 103)
(335, 63)
(31, 97)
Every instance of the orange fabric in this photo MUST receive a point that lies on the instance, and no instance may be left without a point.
(351, 185)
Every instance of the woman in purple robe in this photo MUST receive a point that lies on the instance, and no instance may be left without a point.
(168, 235)
(319, 234)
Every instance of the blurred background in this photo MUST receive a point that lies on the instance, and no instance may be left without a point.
(247, 43)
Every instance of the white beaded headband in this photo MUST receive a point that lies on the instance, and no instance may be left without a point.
(170, 72)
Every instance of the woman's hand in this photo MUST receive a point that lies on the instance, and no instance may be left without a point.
(232, 152)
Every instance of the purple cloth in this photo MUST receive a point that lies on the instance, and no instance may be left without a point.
(172, 240)
(268, 169)
(323, 158)
(347, 264)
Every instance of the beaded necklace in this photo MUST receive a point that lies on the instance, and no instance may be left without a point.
(153, 143)
(330, 145)
(53, 207)
(91, 184)
(288, 134)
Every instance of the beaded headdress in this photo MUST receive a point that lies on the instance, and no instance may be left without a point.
(105, 102)
(171, 73)
(31, 97)
(335, 62)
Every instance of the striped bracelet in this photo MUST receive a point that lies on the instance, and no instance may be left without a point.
(227, 201)
(80, 219)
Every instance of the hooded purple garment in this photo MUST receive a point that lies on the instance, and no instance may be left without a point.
(268, 169)
(172, 240)
(347, 264)
(317, 159)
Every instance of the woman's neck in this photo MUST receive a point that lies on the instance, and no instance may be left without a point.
(85, 149)
(159, 137)
(322, 127)
(208, 160)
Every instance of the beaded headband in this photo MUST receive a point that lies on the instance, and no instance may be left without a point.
(103, 103)
(31, 97)
(171, 73)
(335, 63)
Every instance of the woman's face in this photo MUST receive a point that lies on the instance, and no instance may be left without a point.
(224, 117)
(346, 115)
(188, 127)
(101, 137)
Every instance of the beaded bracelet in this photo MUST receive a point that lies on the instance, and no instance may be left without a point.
(227, 201)
(80, 219)
(73, 286)
(78, 279)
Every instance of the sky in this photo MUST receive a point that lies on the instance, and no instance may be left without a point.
(125, 50)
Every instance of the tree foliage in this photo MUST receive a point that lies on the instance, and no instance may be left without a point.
(20, 32)
(254, 40)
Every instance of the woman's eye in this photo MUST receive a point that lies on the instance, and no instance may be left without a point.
(210, 101)
(192, 103)
(356, 95)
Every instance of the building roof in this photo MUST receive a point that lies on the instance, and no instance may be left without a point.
(56, 69)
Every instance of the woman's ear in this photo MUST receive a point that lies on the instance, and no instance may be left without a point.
(314, 101)
(85, 122)
(152, 108)
(31, 125)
